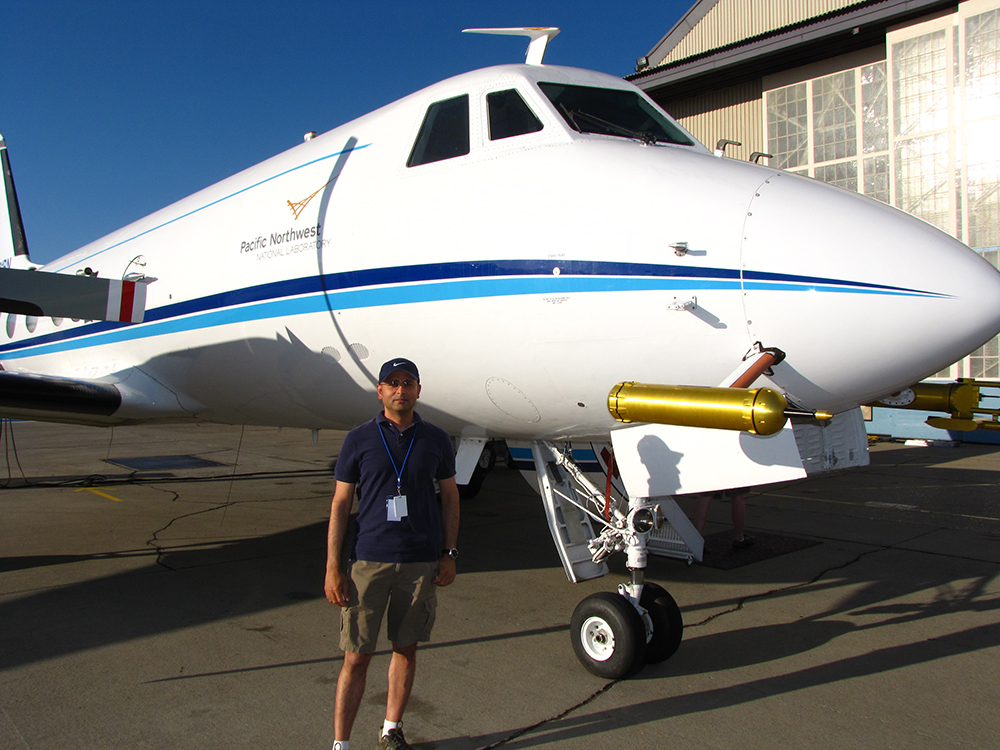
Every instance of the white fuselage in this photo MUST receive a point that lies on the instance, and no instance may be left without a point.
(525, 279)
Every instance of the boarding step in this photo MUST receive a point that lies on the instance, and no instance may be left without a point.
(677, 538)
(570, 527)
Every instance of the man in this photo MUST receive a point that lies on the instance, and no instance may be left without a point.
(404, 548)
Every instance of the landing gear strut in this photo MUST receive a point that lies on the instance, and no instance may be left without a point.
(613, 634)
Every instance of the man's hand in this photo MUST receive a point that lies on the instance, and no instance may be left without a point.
(336, 586)
(446, 571)
(449, 519)
(340, 508)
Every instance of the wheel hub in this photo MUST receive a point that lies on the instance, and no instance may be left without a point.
(598, 639)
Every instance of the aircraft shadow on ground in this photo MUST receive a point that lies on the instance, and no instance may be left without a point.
(584, 725)
(184, 585)
(729, 650)
(189, 585)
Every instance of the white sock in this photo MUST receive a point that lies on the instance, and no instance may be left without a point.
(341, 745)
(387, 725)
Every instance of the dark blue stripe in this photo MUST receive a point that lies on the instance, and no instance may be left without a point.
(795, 279)
(403, 275)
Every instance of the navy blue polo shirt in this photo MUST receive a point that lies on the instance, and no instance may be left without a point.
(364, 461)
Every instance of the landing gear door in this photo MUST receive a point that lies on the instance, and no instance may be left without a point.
(657, 460)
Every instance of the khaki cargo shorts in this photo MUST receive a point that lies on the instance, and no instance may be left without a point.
(407, 589)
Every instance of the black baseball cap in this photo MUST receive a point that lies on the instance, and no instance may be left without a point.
(399, 363)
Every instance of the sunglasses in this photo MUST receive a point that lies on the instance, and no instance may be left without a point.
(407, 384)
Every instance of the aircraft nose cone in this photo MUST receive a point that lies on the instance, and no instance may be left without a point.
(863, 298)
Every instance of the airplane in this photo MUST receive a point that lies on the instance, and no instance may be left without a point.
(574, 273)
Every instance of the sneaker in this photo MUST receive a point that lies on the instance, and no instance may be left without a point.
(394, 740)
(746, 541)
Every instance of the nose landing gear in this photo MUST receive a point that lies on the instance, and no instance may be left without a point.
(613, 634)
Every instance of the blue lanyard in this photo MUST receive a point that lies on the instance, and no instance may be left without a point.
(399, 471)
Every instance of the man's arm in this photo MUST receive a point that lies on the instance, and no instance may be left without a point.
(340, 512)
(449, 518)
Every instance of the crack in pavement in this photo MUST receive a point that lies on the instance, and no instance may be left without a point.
(740, 604)
(782, 589)
(154, 541)
(524, 730)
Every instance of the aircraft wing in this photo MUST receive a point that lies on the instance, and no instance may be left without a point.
(54, 399)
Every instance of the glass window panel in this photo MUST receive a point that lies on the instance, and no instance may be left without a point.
(787, 126)
(983, 182)
(877, 178)
(874, 109)
(920, 84)
(834, 129)
(444, 133)
(615, 112)
(510, 115)
(982, 65)
(844, 174)
(922, 179)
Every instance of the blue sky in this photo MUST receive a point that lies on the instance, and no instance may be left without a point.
(112, 110)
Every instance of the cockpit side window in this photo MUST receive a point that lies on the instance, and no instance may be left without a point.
(617, 112)
(444, 133)
(510, 115)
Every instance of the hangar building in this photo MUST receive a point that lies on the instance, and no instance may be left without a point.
(896, 99)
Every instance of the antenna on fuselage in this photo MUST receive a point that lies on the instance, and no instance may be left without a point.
(539, 36)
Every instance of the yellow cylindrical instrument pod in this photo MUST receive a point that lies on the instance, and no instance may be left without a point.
(760, 411)
(950, 398)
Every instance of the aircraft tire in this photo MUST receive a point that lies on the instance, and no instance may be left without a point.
(668, 625)
(609, 637)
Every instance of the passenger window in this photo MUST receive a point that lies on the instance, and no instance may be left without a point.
(444, 133)
(510, 115)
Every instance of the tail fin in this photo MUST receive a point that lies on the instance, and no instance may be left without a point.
(13, 246)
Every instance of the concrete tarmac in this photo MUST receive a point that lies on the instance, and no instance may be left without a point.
(179, 605)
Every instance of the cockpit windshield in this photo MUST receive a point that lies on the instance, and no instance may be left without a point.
(615, 112)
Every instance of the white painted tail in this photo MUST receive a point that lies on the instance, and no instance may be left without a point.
(13, 246)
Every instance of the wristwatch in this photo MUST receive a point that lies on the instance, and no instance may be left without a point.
(453, 553)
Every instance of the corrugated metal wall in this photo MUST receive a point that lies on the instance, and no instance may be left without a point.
(735, 113)
(736, 20)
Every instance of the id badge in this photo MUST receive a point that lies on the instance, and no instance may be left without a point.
(396, 508)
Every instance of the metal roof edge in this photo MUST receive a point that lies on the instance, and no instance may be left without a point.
(684, 26)
(880, 12)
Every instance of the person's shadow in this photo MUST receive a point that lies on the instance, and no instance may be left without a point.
(660, 461)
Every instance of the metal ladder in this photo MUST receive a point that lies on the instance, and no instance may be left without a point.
(570, 526)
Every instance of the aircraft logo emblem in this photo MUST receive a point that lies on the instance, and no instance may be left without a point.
(299, 206)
